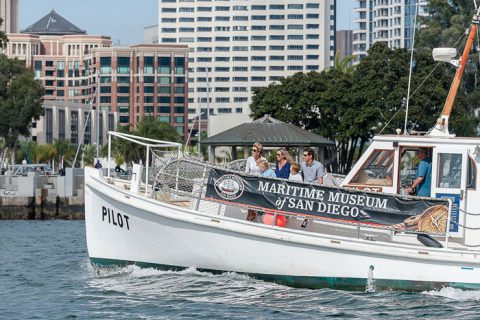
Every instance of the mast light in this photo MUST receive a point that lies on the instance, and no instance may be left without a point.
(445, 55)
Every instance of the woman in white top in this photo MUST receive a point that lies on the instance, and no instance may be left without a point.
(252, 161)
(253, 168)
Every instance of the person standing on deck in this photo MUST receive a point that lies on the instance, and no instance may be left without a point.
(252, 167)
(282, 165)
(253, 161)
(423, 182)
(313, 170)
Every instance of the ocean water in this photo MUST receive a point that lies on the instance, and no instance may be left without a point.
(45, 274)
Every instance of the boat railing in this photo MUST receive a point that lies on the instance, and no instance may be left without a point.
(183, 181)
(171, 176)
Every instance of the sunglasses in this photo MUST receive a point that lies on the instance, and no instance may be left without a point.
(305, 154)
(279, 154)
(254, 150)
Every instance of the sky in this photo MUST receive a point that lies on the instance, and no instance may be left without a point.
(122, 20)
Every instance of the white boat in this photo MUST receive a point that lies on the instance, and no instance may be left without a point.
(183, 213)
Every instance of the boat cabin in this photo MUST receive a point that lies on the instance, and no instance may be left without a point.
(390, 165)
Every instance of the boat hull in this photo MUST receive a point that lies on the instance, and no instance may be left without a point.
(123, 228)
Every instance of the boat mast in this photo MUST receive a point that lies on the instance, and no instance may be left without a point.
(411, 67)
(441, 128)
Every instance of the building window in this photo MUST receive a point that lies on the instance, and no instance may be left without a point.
(49, 125)
(87, 138)
(123, 65)
(295, 6)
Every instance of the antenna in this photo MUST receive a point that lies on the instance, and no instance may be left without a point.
(411, 67)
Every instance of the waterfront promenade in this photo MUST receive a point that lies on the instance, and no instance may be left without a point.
(42, 197)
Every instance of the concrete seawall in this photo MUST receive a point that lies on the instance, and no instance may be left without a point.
(37, 197)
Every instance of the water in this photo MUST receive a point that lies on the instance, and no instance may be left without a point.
(45, 274)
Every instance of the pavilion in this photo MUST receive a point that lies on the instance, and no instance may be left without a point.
(269, 132)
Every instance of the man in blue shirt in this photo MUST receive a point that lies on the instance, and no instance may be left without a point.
(423, 183)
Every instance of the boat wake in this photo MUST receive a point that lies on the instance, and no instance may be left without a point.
(455, 294)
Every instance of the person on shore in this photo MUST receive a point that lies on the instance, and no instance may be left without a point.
(295, 174)
(283, 163)
(313, 170)
(265, 169)
(253, 161)
(423, 181)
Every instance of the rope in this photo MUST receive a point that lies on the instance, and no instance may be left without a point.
(429, 99)
(469, 213)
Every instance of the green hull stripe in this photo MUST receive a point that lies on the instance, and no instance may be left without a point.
(308, 282)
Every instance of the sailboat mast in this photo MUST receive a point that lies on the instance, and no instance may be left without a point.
(447, 108)
(442, 123)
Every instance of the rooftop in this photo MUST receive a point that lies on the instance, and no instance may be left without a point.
(53, 24)
(269, 132)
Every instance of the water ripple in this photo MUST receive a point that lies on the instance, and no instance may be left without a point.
(45, 274)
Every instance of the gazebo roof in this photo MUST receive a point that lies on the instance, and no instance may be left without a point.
(53, 24)
(269, 132)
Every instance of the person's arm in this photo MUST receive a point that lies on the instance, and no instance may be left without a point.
(320, 173)
(421, 176)
(415, 183)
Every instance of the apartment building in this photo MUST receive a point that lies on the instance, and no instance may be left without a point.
(388, 21)
(135, 81)
(236, 46)
(9, 14)
(73, 122)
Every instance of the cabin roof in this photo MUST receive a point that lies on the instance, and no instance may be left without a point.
(269, 132)
(429, 139)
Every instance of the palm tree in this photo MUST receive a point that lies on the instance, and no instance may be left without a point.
(344, 65)
(89, 153)
(45, 153)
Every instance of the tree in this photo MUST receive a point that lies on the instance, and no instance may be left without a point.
(20, 100)
(445, 27)
(350, 108)
(3, 36)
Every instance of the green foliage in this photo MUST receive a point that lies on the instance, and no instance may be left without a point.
(3, 37)
(445, 27)
(66, 151)
(20, 100)
(89, 154)
(350, 106)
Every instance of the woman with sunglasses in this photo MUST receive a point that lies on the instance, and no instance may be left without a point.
(253, 161)
(252, 167)
(283, 162)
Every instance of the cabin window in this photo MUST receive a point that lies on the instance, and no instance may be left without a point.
(472, 174)
(377, 170)
(449, 170)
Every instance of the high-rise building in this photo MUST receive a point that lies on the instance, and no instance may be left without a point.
(9, 15)
(388, 21)
(236, 45)
(135, 81)
(344, 43)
